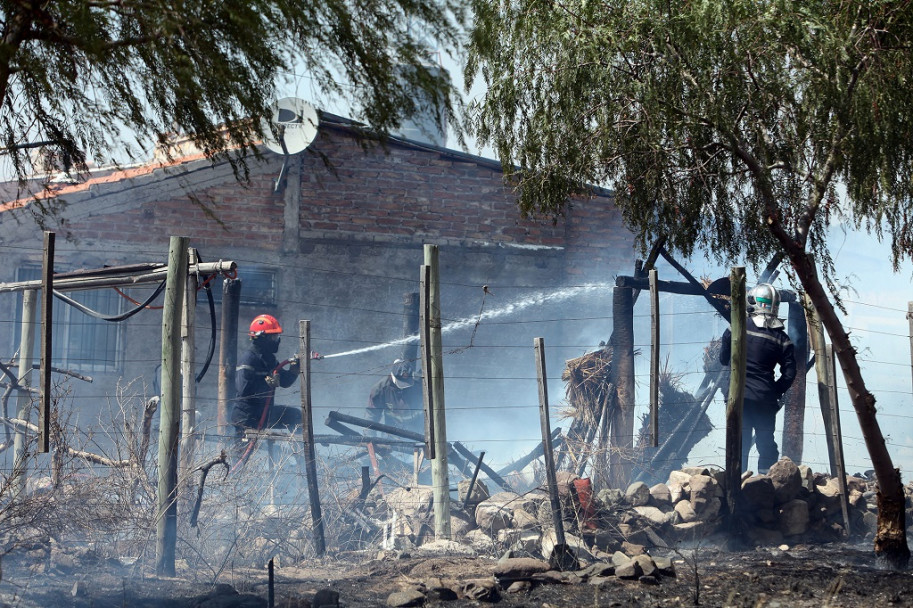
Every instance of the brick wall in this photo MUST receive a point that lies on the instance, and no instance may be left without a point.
(346, 263)
(401, 194)
(411, 194)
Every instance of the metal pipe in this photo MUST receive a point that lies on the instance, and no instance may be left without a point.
(69, 282)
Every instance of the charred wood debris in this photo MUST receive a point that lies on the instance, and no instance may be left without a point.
(627, 533)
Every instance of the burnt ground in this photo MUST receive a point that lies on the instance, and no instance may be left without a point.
(820, 575)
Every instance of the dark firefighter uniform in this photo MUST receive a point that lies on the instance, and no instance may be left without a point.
(254, 394)
(766, 348)
(397, 400)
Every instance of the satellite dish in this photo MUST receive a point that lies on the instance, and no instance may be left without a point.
(295, 122)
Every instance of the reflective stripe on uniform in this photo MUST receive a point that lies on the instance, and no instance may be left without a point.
(758, 334)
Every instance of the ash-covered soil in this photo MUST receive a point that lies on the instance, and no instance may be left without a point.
(800, 576)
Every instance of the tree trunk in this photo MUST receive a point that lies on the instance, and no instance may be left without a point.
(891, 538)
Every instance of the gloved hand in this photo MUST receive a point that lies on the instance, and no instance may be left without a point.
(293, 360)
(272, 380)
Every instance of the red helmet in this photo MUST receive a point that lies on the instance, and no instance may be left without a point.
(264, 324)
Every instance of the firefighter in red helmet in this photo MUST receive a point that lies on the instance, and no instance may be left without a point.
(256, 378)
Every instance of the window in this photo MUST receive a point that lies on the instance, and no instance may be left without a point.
(258, 287)
(80, 342)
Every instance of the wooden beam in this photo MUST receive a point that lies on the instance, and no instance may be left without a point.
(74, 281)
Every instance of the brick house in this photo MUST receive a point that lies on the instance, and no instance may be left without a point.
(338, 240)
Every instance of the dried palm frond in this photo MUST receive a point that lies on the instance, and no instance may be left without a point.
(588, 385)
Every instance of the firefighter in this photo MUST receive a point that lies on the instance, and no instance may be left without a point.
(256, 378)
(396, 400)
(767, 347)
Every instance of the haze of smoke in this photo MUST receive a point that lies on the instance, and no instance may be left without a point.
(536, 299)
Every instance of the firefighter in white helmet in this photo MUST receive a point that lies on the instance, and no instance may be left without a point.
(767, 347)
(396, 399)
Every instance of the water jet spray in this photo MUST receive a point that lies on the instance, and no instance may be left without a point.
(536, 299)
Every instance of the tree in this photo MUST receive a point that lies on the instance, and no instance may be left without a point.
(105, 79)
(725, 126)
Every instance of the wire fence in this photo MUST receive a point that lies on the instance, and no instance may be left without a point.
(490, 380)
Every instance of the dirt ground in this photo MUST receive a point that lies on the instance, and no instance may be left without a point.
(823, 575)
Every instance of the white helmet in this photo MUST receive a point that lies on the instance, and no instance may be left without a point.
(763, 306)
(402, 374)
(763, 299)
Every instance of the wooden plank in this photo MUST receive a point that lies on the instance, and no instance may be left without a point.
(188, 369)
(492, 475)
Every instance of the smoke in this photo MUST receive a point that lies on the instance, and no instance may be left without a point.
(537, 299)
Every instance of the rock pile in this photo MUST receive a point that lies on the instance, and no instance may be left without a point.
(788, 504)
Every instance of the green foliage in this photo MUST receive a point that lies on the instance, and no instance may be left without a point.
(730, 126)
(108, 78)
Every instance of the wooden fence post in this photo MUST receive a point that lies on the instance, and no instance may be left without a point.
(228, 352)
(169, 420)
(561, 556)
(836, 435)
(654, 360)
(622, 424)
(188, 371)
(821, 370)
(24, 397)
(47, 324)
(910, 325)
(307, 429)
(440, 478)
(736, 393)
